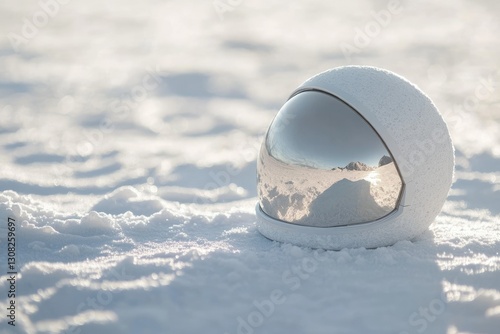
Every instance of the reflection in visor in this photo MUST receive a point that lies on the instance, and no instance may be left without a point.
(323, 165)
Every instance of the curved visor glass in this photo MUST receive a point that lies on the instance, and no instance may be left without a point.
(323, 165)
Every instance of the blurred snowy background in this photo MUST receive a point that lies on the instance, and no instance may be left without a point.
(128, 139)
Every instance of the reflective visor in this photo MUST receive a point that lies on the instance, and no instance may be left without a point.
(323, 165)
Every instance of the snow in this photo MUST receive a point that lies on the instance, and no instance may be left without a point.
(129, 133)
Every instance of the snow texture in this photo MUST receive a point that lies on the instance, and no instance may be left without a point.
(129, 132)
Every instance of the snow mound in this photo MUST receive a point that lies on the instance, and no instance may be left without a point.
(126, 199)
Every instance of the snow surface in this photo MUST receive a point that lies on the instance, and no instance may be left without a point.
(137, 215)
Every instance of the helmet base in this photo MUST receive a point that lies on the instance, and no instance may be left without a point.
(379, 233)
